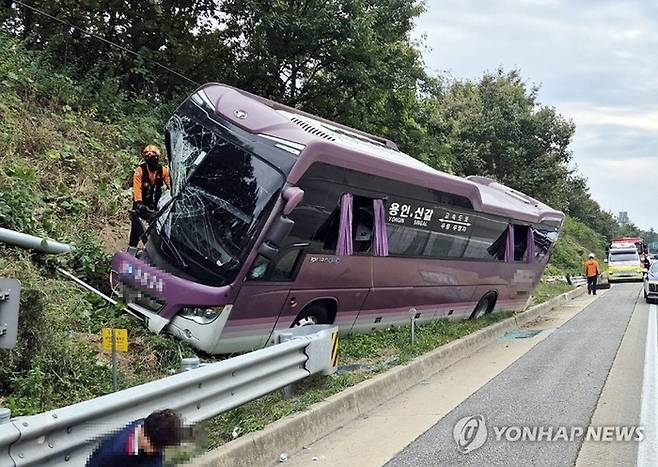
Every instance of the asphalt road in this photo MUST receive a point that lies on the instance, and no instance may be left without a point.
(559, 382)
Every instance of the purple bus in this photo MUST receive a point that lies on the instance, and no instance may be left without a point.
(278, 218)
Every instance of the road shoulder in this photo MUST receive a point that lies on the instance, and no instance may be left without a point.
(620, 401)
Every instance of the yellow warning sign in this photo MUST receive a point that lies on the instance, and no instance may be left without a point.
(334, 349)
(120, 339)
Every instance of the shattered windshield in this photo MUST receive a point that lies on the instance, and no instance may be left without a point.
(221, 190)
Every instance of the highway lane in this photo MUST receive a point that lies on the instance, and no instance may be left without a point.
(559, 382)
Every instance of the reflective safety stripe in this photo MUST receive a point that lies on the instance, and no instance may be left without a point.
(334, 349)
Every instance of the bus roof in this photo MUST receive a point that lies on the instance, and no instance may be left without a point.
(320, 140)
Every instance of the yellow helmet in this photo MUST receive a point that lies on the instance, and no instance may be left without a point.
(150, 151)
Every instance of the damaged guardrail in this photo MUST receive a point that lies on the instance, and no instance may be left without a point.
(66, 436)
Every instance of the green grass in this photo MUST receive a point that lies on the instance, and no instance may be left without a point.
(545, 291)
(66, 150)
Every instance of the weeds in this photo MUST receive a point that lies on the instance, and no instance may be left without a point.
(546, 291)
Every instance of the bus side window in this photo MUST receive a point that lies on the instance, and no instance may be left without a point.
(279, 270)
(406, 241)
(362, 227)
(327, 234)
(544, 237)
(362, 224)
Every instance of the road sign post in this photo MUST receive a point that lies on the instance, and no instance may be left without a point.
(115, 340)
(114, 360)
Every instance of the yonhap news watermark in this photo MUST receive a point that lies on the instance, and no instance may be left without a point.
(471, 433)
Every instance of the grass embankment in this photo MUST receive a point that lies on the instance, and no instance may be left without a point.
(66, 150)
(545, 291)
(576, 242)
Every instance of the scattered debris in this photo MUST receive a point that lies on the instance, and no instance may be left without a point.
(519, 334)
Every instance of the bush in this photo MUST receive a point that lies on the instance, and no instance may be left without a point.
(66, 149)
(576, 241)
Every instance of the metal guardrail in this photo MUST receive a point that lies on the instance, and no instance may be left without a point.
(66, 436)
(10, 292)
(575, 280)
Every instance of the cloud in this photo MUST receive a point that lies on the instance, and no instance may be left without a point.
(627, 117)
(595, 61)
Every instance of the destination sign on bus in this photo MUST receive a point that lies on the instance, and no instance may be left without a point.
(432, 218)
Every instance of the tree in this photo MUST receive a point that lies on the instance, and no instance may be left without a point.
(498, 129)
(346, 60)
(180, 34)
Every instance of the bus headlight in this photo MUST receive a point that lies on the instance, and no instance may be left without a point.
(202, 315)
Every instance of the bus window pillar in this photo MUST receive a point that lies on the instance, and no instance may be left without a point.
(381, 237)
(344, 246)
(509, 247)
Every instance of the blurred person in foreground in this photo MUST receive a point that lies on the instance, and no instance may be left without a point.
(141, 443)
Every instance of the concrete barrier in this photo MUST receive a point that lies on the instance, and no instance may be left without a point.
(291, 433)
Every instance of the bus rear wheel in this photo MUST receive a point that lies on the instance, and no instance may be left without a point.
(315, 313)
(484, 306)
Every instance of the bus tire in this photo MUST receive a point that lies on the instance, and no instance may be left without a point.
(485, 305)
(315, 313)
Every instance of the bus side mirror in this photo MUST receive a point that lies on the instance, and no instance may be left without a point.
(293, 196)
(278, 231)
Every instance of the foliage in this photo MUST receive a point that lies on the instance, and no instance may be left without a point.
(498, 129)
(545, 291)
(348, 60)
(62, 164)
(576, 242)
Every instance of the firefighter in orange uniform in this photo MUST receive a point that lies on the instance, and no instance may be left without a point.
(148, 180)
(592, 272)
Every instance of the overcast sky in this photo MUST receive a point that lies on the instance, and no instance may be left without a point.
(597, 64)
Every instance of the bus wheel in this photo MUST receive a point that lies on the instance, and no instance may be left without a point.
(484, 306)
(316, 313)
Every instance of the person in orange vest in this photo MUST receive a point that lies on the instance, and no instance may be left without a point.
(592, 272)
(148, 179)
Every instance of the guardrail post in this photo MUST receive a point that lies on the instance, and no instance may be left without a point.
(287, 391)
(189, 363)
(5, 415)
(325, 356)
(412, 320)
(10, 290)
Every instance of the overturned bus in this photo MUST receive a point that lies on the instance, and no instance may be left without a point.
(277, 218)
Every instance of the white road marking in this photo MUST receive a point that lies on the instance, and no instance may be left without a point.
(647, 451)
